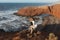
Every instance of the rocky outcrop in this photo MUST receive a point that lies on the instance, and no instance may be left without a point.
(55, 10)
(51, 26)
(50, 20)
(25, 35)
(32, 11)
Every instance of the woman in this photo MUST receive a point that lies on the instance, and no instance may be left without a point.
(32, 26)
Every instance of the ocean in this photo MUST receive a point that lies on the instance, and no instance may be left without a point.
(10, 22)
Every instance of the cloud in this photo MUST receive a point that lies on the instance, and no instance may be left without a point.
(29, 1)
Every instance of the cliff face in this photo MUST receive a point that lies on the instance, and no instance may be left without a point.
(52, 26)
(55, 10)
(32, 11)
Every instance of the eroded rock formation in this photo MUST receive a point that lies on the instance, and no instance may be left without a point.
(32, 11)
(55, 10)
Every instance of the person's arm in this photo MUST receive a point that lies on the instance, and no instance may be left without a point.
(32, 22)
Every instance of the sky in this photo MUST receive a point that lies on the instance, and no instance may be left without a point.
(27, 1)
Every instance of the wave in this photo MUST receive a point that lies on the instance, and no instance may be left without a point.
(7, 12)
(10, 22)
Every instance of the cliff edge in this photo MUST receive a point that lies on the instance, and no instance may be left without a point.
(38, 10)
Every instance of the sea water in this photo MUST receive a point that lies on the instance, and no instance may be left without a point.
(10, 22)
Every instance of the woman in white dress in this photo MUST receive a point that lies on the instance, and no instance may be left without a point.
(32, 26)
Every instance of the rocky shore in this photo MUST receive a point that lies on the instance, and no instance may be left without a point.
(50, 29)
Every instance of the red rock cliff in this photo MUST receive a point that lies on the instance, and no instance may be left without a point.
(56, 10)
(32, 11)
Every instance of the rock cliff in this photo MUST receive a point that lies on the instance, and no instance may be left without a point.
(55, 10)
(32, 11)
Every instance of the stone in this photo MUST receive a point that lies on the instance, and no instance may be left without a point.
(38, 10)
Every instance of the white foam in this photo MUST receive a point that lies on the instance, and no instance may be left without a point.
(2, 13)
(10, 22)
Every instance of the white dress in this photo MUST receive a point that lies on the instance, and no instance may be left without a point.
(32, 27)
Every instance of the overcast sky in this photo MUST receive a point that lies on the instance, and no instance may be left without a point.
(28, 1)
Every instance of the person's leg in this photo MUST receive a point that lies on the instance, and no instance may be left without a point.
(31, 30)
